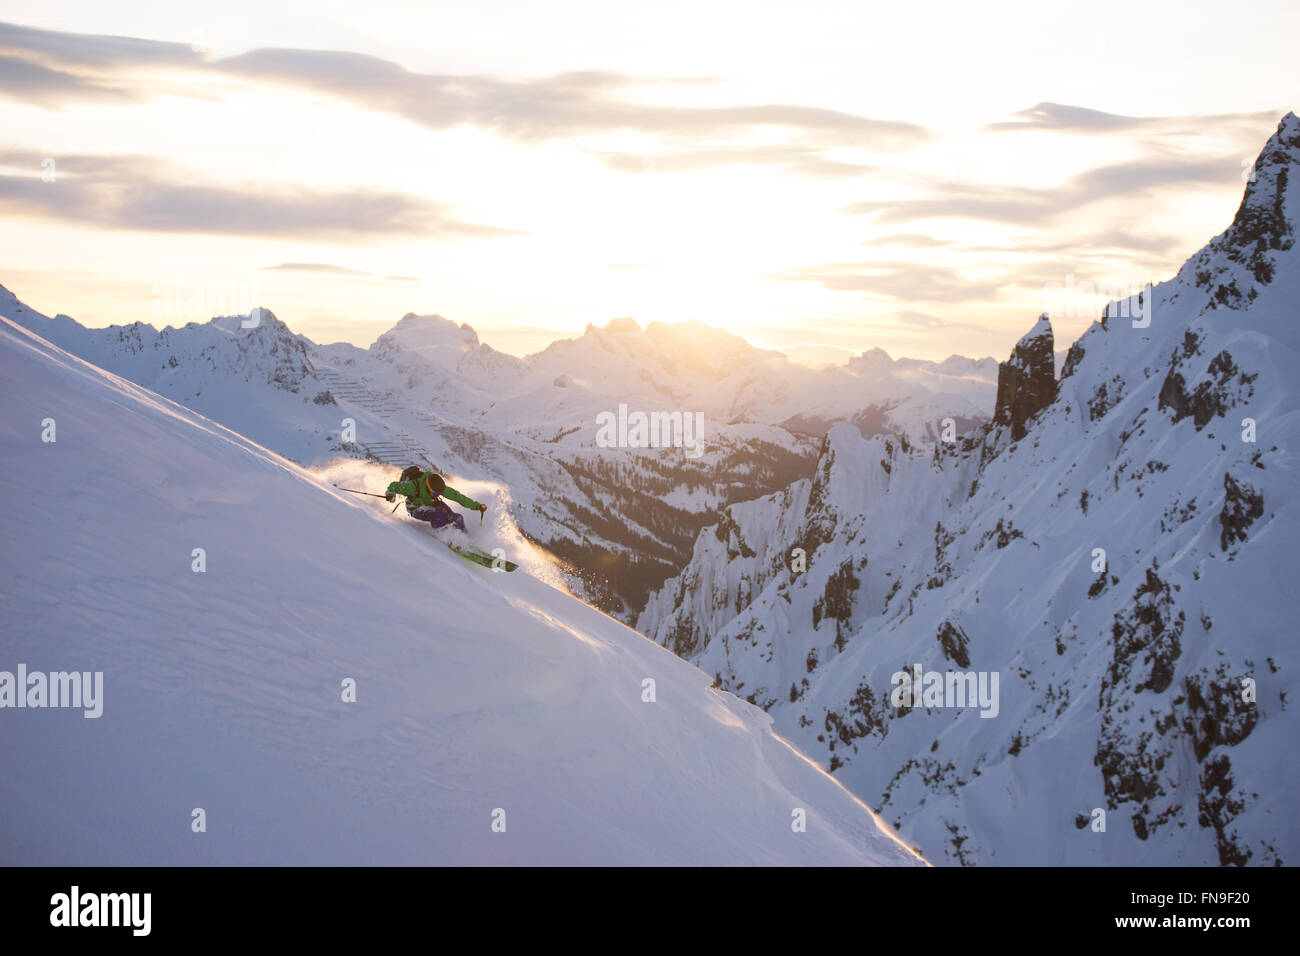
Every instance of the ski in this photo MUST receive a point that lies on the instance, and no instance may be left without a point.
(474, 555)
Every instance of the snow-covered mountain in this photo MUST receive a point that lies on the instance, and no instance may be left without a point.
(620, 519)
(690, 365)
(289, 676)
(254, 377)
(1098, 579)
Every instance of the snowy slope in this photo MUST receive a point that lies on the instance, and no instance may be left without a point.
(1117, 547)
(222, 689)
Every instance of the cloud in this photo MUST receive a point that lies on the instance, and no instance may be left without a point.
(1119, 239)
(52, 69)
(923, 319)
(566, 105)
(37, 85)
(1078, 119)
(1024, 206)
(315, 267)
(139, 193)
(325, 268)
(795, 160)
(913, 240)
(909, 281)
(94, 51)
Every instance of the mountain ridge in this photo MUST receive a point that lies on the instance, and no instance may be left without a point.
(1113, 546)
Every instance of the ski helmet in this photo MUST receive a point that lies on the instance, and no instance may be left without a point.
(435, 484)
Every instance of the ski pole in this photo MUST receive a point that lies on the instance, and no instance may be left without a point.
(355, 492)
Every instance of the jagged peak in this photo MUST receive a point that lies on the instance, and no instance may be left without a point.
(1262, 216)
(1027, 380)
(1284, 145)
(256, 318)
(623, 326)
(1043, 327)
(425, 330)
(1236, 264)
(963, 363)
(871, 360)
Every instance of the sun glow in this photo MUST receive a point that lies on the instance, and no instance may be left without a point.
(529, 183)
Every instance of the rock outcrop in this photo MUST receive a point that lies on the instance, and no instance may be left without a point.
(1027, 380)
(1242, 259)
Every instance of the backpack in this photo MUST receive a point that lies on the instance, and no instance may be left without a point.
(430, 483)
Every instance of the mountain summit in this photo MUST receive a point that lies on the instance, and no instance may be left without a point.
(1246, 256)
(1026, 381)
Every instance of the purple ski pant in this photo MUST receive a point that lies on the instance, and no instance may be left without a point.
(437, 517)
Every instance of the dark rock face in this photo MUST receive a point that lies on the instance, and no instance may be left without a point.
(1242, 504)
(1242, 258)
(1137, 759)
(1217, 804)
(1220, 387)
(1027, 380)
(1261, 224)
(955, 644)
(1072, 360)
(836, 603)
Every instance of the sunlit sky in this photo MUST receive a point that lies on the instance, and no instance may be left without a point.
(817, 177)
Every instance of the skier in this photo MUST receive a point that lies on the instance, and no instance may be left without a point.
(423, 491)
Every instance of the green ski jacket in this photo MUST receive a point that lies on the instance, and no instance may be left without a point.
(422, 495)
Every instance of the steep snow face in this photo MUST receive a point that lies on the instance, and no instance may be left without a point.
(1121, 569)
(495, 720)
